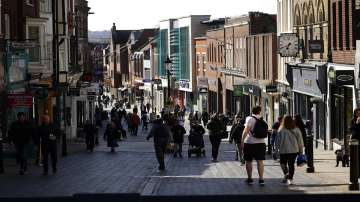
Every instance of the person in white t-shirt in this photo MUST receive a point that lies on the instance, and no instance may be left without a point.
(253, 148)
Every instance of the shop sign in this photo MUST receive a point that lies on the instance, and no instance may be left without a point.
(184, 84)
(357, 65)
(203, 90)
(16, 100)
(271, 89)
(202, 81)
(316, 46)
(157, 81)
(344, 77)
(238, 90)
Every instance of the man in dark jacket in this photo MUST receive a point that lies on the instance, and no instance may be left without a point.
(20, 134)
(161, 134)
(178, 132)
(205, 118)
(48, 136)
(235, 136)
(216, 127)
(89, 130)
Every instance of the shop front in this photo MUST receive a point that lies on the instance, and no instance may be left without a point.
(309, 84)
(341, 103)
(202, 86)
(283, 101)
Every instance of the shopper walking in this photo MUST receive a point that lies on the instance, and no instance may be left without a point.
(90, 132)
(111, 135)
(290, 143)
(161, 134)
(253, 144)
(49, 136)
(178, 132)
(216, 128)
(20, 134)
(235, 136)
(355, 128)
(300, 124)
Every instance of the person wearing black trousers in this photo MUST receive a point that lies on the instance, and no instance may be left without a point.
(215, 126)
(20, 134)
(355, 128)
(49, 135)
(90, 131)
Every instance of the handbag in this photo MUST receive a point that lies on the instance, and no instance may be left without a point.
(301, 160)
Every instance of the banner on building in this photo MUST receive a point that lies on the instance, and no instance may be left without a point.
(17, 100)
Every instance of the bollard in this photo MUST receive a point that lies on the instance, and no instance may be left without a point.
(269, 151)
(1, 156)
(354, 165)
(63, 145)
(97, 136)
(310, 154)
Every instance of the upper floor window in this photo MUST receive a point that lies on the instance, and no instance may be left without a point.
(34, 36)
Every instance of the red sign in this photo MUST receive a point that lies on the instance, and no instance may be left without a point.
(20, 100)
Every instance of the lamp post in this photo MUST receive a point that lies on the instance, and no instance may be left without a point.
(168, 64)
(63, 81)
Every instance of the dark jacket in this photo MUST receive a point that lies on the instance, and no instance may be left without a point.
(48, 134)
(236, 132)
(216, 126)
(160, 132)
(21, 133)
(355, 130)
(111, 136)
(178, 132)
(205, 117)
(89, 129)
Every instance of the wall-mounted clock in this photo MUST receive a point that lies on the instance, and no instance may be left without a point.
(288, 45)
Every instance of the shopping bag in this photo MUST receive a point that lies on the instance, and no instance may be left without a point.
(301, 160)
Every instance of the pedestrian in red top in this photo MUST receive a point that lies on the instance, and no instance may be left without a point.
(135, 121)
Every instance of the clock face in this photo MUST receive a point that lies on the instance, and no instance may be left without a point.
(288, 45)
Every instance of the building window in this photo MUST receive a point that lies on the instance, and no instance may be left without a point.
(7, 26)
(34, 36)
(340, 25)
(334, 17)
(347, 25)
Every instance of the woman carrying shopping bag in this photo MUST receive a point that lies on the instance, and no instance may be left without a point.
(290, 144)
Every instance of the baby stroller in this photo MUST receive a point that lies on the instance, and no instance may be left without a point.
(196, 144)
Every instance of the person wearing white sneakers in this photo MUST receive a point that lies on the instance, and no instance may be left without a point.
(290, 143)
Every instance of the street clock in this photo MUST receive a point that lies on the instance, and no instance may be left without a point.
(288, 45)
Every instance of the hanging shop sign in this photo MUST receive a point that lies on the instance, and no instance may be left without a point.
(184, 84)
(316, 46)
(238, 90)
(344, 77)
(203, 90)
(16, 100)
(271, 89)
(202, 82)
(157, 81)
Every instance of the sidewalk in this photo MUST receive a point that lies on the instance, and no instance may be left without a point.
(133, 169)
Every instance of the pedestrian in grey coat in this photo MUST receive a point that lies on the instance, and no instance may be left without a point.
(290, 144)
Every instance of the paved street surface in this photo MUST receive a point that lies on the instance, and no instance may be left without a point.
(133, 169)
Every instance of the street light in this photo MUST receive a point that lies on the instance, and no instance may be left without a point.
(168, 64)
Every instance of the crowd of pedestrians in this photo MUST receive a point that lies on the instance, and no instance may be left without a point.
(248, 134)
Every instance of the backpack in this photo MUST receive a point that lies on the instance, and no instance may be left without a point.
(260, 129)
